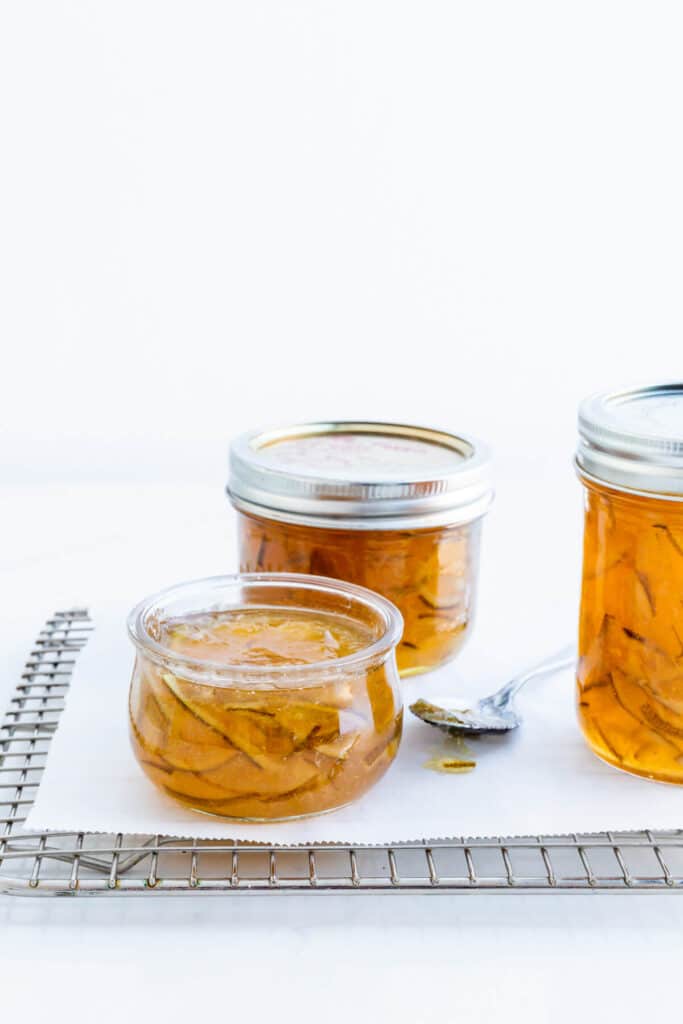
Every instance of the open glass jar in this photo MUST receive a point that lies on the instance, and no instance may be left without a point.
(265, 697)
(394, 508)
(630, 671)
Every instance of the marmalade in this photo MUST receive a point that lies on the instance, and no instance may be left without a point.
(268, 746)
(430, 575)
(630, 673)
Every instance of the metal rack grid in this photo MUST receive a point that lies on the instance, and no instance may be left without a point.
(89, 864)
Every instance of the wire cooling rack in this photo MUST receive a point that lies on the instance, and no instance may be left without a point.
(93, 864)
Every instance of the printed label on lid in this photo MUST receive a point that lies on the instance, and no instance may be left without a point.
(658, 414)
(379, 456)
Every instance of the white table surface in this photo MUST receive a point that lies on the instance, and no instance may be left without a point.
(363, 958)
(217, 215)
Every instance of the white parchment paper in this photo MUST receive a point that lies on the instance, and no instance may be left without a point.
(541, 780)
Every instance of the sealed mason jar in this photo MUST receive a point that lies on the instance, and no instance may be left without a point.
(630, 670)
(265, 696)
(394, 508)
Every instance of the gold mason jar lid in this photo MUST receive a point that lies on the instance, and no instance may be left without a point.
(360, 475)
(632, 440)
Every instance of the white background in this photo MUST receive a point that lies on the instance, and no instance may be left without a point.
(214, 215)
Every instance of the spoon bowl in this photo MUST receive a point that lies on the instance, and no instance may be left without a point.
(494, 714)
(478, 720)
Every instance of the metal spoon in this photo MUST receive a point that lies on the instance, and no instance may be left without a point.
(494, 714)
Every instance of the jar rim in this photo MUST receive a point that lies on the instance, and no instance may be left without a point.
(387, 612)
(442, 519)
(590, 480)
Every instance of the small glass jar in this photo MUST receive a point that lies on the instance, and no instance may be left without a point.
(630, 670)
(394, 508)
(272, 739)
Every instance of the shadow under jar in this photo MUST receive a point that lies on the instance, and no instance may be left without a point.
(394, 508)
(630, 670)
(265, 696)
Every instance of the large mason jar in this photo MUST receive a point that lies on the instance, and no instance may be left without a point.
(630, 669)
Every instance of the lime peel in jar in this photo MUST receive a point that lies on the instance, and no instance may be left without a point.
(265, 697)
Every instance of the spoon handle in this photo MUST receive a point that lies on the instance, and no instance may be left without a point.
(553, 663)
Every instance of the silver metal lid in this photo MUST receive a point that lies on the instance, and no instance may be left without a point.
(360, 475)
(633, 440)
